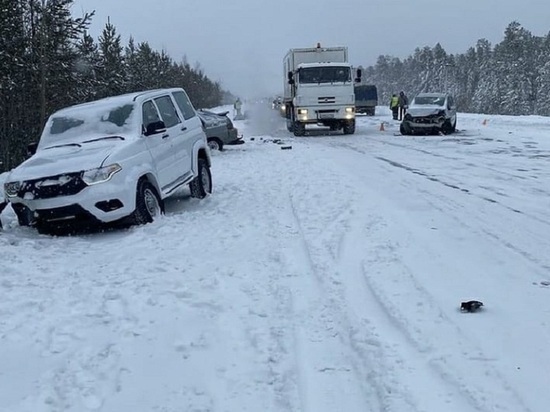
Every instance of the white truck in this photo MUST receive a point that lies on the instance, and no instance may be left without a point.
(319, 89)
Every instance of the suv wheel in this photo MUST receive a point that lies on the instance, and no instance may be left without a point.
(201, 185)
(148, 205)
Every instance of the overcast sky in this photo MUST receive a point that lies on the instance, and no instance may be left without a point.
(241, 43)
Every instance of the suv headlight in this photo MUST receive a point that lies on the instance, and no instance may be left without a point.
(12, 188)
(101, 174)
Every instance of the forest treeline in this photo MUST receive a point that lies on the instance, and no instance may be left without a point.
(512, 77)
(49, 61)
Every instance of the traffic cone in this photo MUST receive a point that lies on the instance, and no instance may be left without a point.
(382, 127)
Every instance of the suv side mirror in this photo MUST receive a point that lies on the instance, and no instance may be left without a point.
(31, 148)
(154, 128)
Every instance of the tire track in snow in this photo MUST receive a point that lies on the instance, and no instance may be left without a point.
(448, 366)
(406, 366)
(392, 286)
(328, 379)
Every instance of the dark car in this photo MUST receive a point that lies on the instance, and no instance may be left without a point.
(219, 129)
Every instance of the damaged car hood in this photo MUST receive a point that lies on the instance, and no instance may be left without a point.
(423, 111)
(62, 159)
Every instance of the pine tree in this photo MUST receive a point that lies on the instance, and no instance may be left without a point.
(13, 80)
(111, 79)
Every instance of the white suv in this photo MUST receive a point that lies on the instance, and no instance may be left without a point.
(113, 160)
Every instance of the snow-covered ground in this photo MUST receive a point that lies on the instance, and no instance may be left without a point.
(327, 277)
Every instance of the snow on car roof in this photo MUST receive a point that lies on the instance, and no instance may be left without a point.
(113, 116)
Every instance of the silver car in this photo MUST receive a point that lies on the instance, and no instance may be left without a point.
(430, 113)
(219, 129)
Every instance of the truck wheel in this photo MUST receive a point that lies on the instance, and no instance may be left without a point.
(299, 129)
(148, 204)
(349, 127)
(201, 185)
(289, 126)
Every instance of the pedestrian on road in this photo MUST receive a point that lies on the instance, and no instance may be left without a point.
(394, 105)
(238, 107)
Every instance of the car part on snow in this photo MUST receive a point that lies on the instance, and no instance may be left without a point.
(286, 147)
(470, 306)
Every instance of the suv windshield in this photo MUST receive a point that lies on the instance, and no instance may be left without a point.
(324, 74)
(88, 123)
(431, 100)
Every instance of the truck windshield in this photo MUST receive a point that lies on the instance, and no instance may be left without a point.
(324, 74)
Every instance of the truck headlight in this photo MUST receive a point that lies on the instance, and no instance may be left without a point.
(101, 174)
(11, 189)
(350, 110)
(302, 111)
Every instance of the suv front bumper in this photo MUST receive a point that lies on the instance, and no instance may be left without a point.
(103, 202)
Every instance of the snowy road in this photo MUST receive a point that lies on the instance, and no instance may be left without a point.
(323, 278)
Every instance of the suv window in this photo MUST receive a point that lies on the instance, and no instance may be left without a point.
(185, 105)
(167, 111)
(150, 114)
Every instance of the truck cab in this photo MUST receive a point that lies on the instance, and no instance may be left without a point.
(319, 90)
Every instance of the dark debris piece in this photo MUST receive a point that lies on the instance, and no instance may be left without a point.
(471, 306)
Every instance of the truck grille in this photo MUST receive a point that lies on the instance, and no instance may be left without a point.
(53, 186)
(326, 100)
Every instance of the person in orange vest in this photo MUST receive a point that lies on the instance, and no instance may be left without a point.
(394, 106)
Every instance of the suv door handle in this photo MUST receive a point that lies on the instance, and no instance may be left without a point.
(165, 135)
